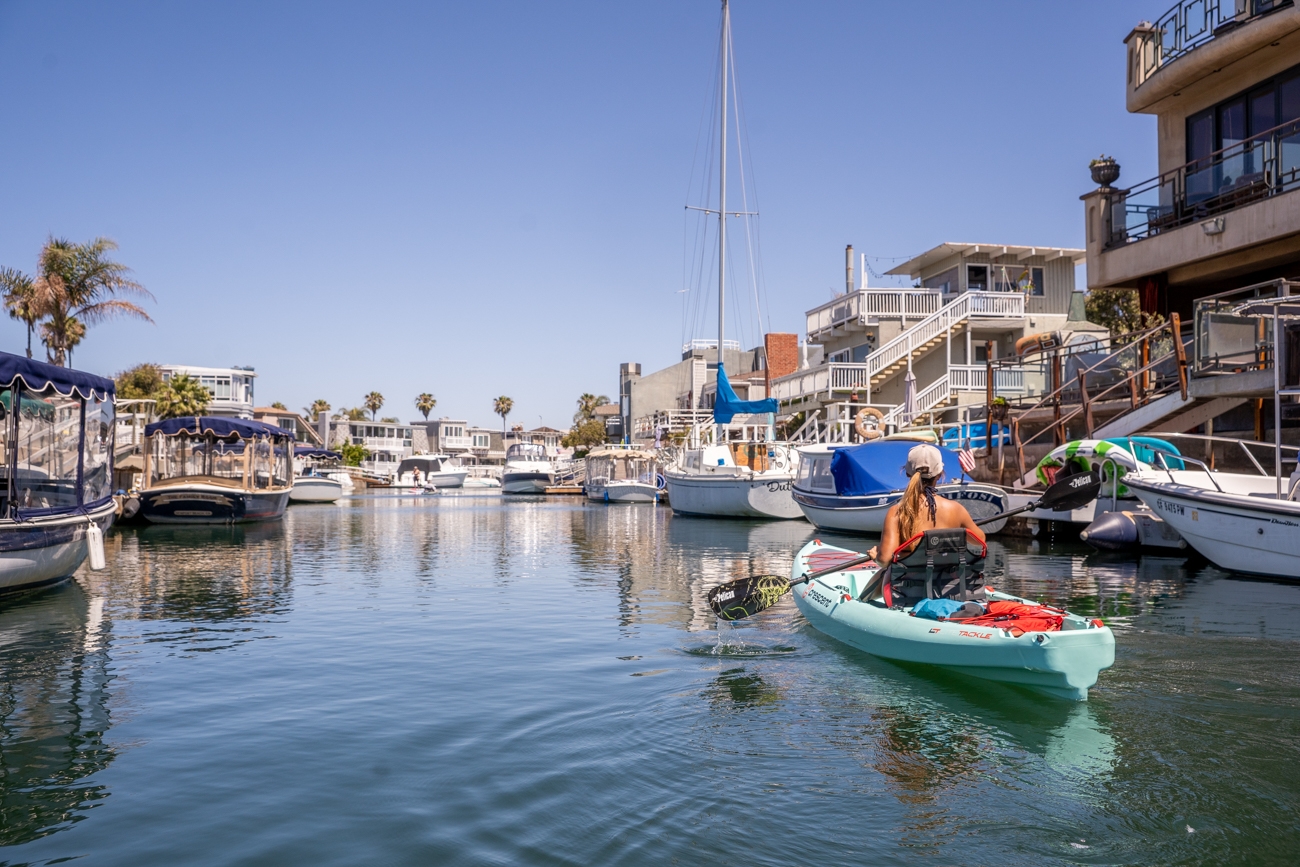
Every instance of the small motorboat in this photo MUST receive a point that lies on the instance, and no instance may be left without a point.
(57, 471)
(1062, 663)
(311, 482)
(850, 489)
(622, 474)
(1237, 521)
(429, 471)
(528, 470)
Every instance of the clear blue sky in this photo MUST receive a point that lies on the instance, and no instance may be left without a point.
(476, 199)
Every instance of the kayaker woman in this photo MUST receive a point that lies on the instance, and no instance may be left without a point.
(921, 508)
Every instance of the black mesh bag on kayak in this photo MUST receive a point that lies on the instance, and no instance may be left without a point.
(942, 564)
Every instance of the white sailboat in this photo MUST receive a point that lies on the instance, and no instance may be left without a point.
(717, 476)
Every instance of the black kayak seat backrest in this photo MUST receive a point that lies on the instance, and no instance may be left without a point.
(943, 548)
(955, 555)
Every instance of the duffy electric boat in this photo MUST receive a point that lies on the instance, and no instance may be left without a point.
(57, 453)
(213, 470)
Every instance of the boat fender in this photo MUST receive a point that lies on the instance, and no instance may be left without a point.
(95, 547)
(860, 423)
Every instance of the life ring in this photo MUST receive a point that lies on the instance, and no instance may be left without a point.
(860, 423)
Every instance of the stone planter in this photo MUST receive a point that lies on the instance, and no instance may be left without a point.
(1104, 173)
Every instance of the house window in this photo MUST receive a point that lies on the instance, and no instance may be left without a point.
(842, 355)
(481, 441)
(982, 353)
(977, 278)
(287, 424)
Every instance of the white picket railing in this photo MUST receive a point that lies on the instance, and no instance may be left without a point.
(936, 393)
(974, 377)
(985, 305)
(856, 307)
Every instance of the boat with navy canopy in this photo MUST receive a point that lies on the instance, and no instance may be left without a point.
(312, 480)
(850, 489)
(212, 470)
(56, 456)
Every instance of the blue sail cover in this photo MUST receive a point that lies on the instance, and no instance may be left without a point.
(728, 405)
(197, 426)
(38, 376)
(877, 468)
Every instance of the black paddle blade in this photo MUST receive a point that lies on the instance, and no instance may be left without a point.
(737, 600)
(1072, 492)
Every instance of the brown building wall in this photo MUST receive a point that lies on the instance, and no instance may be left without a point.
(782, 355)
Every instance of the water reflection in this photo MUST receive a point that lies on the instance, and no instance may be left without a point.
(53, 711)
(209, 581)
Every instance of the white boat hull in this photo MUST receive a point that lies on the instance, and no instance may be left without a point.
(866, 515)
(41, 551)
(622, 492)
(315, 489)
(525, 483)
(1234, 531)
(733, 496)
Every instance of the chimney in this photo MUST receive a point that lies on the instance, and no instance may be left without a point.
(848, 269)
(782, 356)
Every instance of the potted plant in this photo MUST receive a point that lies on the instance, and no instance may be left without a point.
(1105, 171)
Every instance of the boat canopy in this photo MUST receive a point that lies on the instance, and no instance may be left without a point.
(39, 376)
(877, 468)
(728, 405)
(427, 463)
(305, 450)
(217, 426)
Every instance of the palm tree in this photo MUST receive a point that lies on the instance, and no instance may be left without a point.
(502, 406)
(182, 396)
(73, 289)
(425, 404)
(20, 300)
(317, 407)
(587, 404)
(373, 402)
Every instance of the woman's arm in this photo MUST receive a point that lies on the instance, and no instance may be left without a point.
(968, 523)
(889, 540)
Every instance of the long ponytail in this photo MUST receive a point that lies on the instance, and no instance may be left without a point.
(919, 492)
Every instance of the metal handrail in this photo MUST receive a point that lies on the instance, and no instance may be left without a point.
(1192, 23)
(1229, 178)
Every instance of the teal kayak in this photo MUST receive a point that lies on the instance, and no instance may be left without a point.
(1061, 663)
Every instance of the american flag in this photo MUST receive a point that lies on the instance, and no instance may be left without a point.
(966, 458)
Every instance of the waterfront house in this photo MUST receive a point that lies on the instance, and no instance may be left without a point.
(302, 430)
(676, 397)
(231, 387)
(458, 438)
(970, 304)
(388, 443)
(1219, 224)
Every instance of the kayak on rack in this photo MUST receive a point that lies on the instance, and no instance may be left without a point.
(1063, 662)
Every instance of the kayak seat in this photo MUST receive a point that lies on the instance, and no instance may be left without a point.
(937, 564)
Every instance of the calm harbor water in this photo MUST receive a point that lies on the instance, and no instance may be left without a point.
(467, 680)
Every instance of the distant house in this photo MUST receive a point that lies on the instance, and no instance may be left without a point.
(286, 419)
(458, 438)
(231, 387)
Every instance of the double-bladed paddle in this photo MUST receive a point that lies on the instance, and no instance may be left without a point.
(746, 597)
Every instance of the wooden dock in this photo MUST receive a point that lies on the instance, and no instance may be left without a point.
(570, 490)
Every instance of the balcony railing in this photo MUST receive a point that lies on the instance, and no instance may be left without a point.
(450, 442)
(1192, 23)
(1231, 334)
(974, 377)
(856, 307)
(1247, 172)
(701, 343)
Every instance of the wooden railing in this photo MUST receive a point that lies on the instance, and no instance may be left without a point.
(1137, 383)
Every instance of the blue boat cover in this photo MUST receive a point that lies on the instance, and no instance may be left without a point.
(877, 468)
(217, 426)
(306, 450)
(38, 376)
(728, 405)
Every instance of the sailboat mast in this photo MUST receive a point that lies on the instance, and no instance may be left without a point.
(722, 191)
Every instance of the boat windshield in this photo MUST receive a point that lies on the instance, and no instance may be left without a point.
(526, 452)
(62, 450)
(815, 474)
